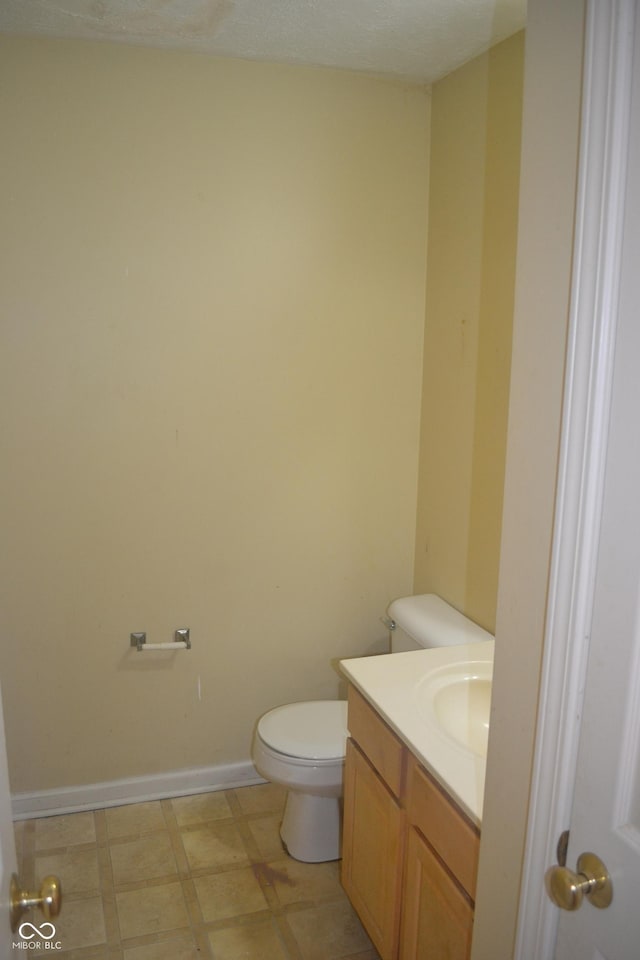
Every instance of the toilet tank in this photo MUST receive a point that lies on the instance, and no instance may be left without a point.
(426, 620)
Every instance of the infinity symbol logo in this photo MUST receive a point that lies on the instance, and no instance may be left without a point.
(36, 930)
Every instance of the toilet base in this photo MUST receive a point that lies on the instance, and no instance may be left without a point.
(311, 827)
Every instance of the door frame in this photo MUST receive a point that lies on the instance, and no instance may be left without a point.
(602, 169)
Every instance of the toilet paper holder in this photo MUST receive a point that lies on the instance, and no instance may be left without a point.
(182, 641)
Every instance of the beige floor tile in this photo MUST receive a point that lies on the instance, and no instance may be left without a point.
(134, 819)
(151, 910)
(148, 858)
(328, 932)
(214, 845)
(201, 808)
(277, 909)
(182, 949)
(266, 834)
(89, 953)
(80, 924)
(262, 798)
(229, 894)
(251, 941)
(371, 954)
(77, 870)
(65, 831)
(296, 882)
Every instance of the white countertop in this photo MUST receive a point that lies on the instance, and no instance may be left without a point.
(389, 682)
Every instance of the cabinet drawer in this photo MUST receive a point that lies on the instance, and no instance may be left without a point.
(454, 838)
(384, 750)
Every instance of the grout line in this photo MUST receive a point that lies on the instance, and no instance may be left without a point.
(286, 935)
(107, 886)
(192, 903)
(234, 804)
(202, 943)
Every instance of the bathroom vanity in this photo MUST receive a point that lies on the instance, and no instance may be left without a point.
(410, 841)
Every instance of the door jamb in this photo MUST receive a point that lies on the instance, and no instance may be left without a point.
(607, 80)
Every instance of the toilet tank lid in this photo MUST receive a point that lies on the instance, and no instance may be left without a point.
(434, 623)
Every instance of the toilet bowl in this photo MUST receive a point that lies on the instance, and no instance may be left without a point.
(301, 746)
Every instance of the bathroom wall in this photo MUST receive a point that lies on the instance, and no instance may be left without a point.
(212, 281)
(473, 203)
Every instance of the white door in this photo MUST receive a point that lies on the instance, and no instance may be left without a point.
(7, 848)
(605, 816)
(587, 777)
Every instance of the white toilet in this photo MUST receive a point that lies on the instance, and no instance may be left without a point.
(302, 745)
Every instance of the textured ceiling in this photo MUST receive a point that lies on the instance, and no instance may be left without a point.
(415, 39)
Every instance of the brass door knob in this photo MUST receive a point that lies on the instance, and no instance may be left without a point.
(591, 880)
(48, 899)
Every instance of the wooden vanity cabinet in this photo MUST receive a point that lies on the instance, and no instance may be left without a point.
(373, 825)
(409, 854)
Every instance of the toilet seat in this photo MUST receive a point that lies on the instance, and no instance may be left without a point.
(305, 766)
(313, 730)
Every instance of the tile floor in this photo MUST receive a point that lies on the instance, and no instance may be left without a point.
(196, 877)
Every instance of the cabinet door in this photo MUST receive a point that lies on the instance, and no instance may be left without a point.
(372, 851)
(437, 920)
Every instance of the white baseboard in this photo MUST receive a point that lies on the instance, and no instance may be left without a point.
(114, 793)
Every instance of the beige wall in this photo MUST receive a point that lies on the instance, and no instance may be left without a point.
(547, 201)
(473, 202)
(212, 291)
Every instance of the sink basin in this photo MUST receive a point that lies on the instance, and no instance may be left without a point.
(456, 700)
